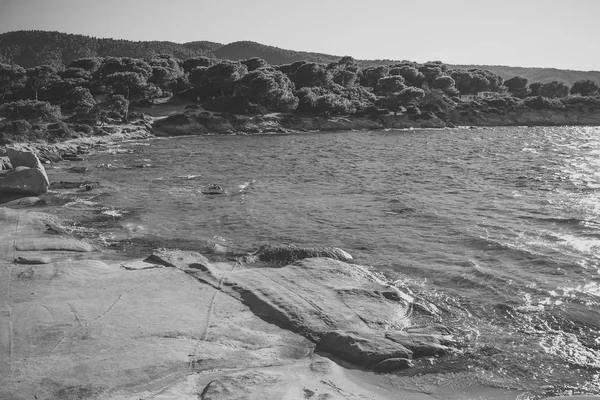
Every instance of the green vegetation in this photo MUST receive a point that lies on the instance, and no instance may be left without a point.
(93, 90)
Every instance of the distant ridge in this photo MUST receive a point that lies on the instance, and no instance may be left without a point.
(31, 48)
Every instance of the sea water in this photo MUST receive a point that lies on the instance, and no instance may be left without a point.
(498, 227)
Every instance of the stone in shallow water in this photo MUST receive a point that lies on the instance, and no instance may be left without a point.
(290, 253)
(421, 345)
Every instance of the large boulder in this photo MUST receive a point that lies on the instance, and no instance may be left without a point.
(25, 181)
(29, 176)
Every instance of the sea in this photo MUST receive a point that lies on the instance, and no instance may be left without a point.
(499, 228)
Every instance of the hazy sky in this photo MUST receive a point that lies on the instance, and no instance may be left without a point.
(542, 33)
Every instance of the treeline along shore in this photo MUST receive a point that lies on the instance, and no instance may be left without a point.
(209, 95)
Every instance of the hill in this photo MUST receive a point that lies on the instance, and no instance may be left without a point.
(30, 48)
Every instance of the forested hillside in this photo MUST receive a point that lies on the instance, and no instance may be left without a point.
(33, 48)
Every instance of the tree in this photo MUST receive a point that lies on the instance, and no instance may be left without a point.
(432, 70)
(310, 75)
(554, 89)
(370, 76)
(90, 64)
(268, 88)
(38, 78)
(10, 76)
(390, 84)
(191, 63)
(586, 88)
(395, 101)
(113, 65)
(517, 86)
(30, 110)
(411, 75)
(462, 80)
(165, 71)
(81, 101)
(126, 83)
(445, 84)
(534, 89)
(223, 75)
(254, 63)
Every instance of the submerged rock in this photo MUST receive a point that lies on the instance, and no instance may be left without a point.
(289, 253)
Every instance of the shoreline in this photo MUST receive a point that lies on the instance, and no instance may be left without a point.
(84, 281)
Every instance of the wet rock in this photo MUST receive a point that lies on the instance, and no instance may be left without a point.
(75, 185)
(365, 349)
(393, 364)
(25, 202)
(422, 345)
(78, 170)
(289, 253)
(49, 155)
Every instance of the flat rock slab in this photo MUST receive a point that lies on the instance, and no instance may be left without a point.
(56, 243)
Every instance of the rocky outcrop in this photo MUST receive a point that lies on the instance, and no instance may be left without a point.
(346, 310)
(28, 176)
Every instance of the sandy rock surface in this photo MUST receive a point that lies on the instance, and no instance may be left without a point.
(86, 326)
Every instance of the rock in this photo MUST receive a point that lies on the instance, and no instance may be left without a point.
(33, 260)
(289, 253)
(5, 163)
(314, 296)
(421, 345)
(25, 202)
(33, 181)
(363, 349)
(179, 259)
(393, 364)
(78, 170)
(53, 244)
(27, 181)
(49, 156)
(71, 157)
(75, 185)
(139, 265)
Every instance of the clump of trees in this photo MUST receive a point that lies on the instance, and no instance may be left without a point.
(94, 90)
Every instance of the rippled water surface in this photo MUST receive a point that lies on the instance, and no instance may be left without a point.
(499, 227)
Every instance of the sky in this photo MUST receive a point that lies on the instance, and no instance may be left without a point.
(562, 34)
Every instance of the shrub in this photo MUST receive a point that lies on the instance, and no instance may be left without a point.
(58, 131)
(30, 110)
(543, 103)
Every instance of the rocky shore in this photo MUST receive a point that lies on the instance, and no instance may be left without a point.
(79, 321)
